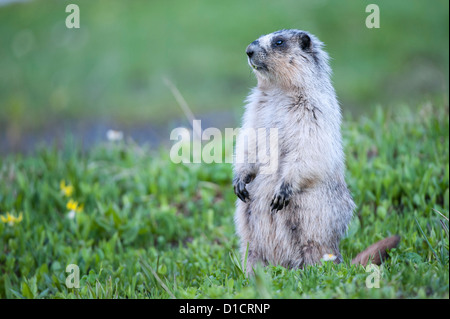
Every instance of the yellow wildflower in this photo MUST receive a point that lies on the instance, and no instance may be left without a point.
(73, 205)
(73, 208)
(10, 219)
(66, 189)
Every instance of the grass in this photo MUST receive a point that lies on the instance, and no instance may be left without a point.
(153, 229)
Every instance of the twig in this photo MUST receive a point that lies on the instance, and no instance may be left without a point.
(440, 213)
(184, 107)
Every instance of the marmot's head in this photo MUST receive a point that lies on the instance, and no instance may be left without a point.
(287, 58)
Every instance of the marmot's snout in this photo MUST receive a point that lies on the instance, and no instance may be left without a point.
(256, 55)
(251, 49)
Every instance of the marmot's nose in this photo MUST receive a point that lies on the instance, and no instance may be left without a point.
(251, 48)
(249, 52)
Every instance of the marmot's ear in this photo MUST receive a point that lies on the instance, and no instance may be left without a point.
(304, 40)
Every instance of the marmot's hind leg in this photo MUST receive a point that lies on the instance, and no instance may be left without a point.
(253, 259)
(312, 253)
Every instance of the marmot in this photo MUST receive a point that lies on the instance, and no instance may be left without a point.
(297, 215)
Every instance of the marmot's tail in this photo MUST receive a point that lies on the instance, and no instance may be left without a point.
(377, 252)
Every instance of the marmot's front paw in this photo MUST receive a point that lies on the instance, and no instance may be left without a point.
(281, 198)
(240, 187)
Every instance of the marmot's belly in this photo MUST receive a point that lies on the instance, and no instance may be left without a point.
(314, 217)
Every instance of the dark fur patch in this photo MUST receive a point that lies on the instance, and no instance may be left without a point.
(279, 44)
(307, 46)
(304, 41)
(286, 189)
(315, 113)
(315, 58)
(298, 103)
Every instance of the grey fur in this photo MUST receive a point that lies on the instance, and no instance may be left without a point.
(294, 217)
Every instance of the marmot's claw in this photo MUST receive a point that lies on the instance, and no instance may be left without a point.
(240, 187)
(281, 198)
(241, 191)
(278, 202)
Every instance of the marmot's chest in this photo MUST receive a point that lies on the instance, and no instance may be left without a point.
(287, 117)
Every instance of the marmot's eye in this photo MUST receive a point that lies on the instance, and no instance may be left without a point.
(279, 42)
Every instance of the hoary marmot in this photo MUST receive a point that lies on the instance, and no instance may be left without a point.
(297, 214)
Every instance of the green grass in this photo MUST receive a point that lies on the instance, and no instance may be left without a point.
(154, 229)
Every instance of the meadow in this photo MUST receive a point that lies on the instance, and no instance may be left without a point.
(139, 226)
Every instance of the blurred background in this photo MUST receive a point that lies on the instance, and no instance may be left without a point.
(109, 73)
